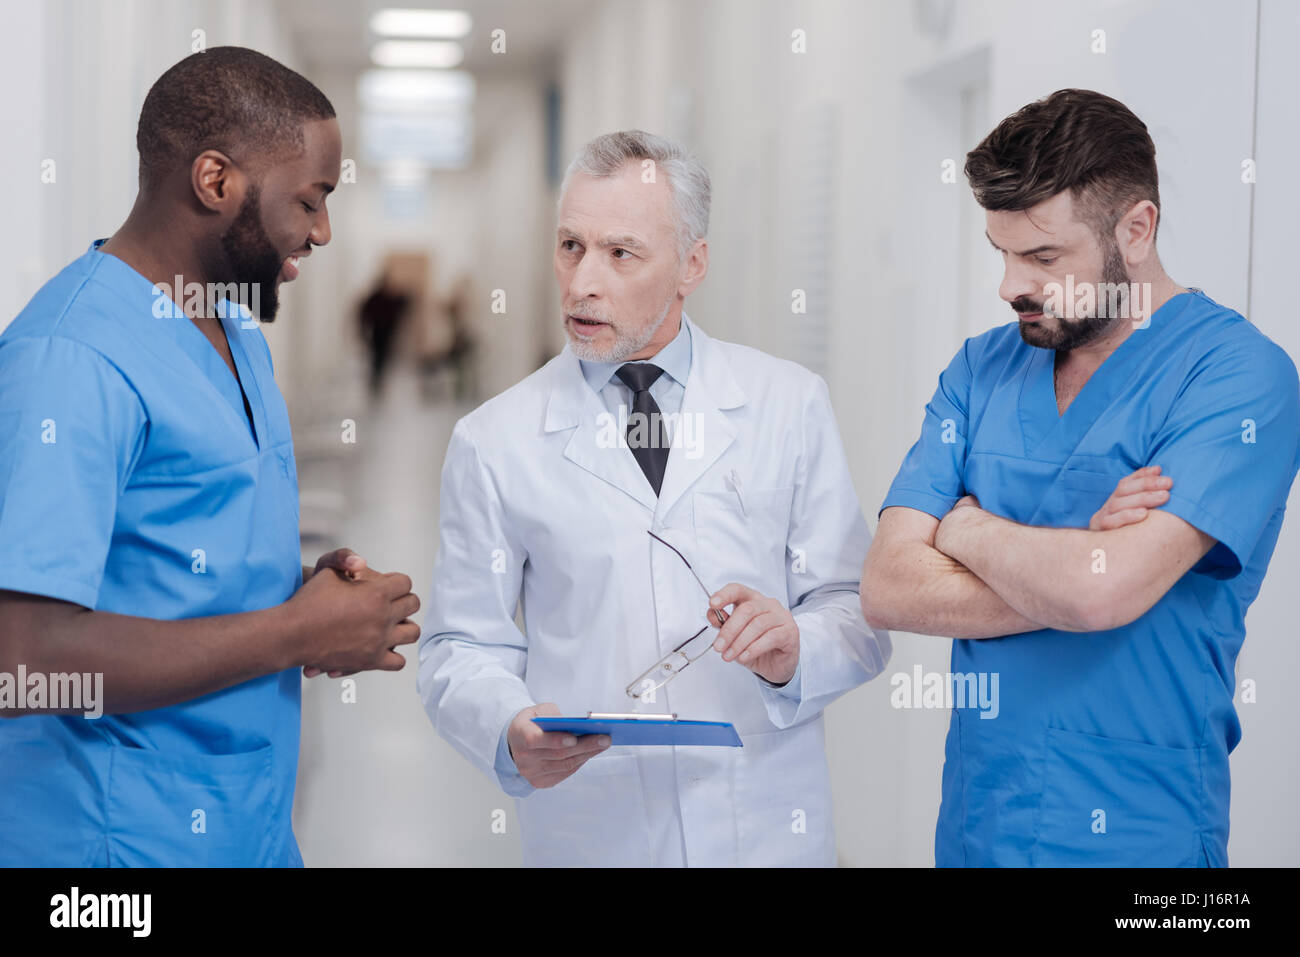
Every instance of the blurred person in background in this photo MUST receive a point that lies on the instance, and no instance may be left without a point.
(462, 354)
(380, 318)
(447, 345)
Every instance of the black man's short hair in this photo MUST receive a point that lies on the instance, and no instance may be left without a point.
(232, 99)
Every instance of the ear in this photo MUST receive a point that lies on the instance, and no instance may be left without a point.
(1136, 232)
(697, 267)
(217, 182)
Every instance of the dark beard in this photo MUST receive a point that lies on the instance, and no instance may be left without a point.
(253, 260)
(1073, 333)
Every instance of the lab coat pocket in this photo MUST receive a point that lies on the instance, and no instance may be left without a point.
(595, 817)
(783, 799)
(1117, 803)
(743, 537)
(193, 810)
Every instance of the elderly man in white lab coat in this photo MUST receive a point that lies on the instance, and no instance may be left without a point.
(549, 492)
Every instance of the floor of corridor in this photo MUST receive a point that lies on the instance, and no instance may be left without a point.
(377, 786)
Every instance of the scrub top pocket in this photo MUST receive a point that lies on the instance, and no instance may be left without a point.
(198, 810)
(1074, 497)
(1117, 803)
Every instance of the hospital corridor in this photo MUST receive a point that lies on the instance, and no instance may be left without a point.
(989, 561)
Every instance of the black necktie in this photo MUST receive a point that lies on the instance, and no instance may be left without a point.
(646, 436)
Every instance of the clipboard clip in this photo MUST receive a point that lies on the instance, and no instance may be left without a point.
(615, 716)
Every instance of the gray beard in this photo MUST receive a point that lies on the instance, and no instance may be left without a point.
(624, 346)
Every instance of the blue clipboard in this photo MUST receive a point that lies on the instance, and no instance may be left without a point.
(648, 730)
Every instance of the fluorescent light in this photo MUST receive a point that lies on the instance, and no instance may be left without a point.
(416, 116)
(439, 24)
(417, 53)
(404, 173)
(389, 90)
(416, 140)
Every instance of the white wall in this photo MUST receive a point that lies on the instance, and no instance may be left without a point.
(1265, 766)
(24, 120)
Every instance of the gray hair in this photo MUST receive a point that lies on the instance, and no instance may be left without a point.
(686, 176)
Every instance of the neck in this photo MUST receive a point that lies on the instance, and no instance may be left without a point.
(1096, 352)
(160, 246)
(1162, 287)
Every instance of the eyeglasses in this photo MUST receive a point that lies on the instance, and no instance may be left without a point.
(674, 663)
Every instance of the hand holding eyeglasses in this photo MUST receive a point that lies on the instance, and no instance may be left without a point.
(760, 632)
(764, 638)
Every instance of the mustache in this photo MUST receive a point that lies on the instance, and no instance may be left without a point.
(586, 312)
(1024, 304)
(303, 250)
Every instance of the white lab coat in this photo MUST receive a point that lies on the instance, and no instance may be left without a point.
(537, 508)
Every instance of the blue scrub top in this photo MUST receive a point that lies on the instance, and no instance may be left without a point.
(132, 481)
(1111, 748)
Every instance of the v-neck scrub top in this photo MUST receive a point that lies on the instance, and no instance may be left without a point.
(1111, 748)
(132, 481)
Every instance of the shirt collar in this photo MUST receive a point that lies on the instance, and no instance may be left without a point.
(674, 359)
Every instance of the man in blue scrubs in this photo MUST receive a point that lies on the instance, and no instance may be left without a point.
(149, 507)
(1090, 510)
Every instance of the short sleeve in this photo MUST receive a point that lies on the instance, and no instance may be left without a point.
(930, 478)
(1230, 445)
(71, 427)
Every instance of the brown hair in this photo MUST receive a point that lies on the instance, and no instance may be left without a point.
(1080, 140)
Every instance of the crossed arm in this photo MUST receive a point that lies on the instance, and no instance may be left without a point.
(976, 575)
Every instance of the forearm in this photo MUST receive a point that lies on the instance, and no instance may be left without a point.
(472, 690)
(1052, 575)
(146, 663)
(913, 587)
(838, 651)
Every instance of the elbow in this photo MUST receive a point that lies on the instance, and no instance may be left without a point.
(873, 596)
(1109, 605)
(877, 617)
